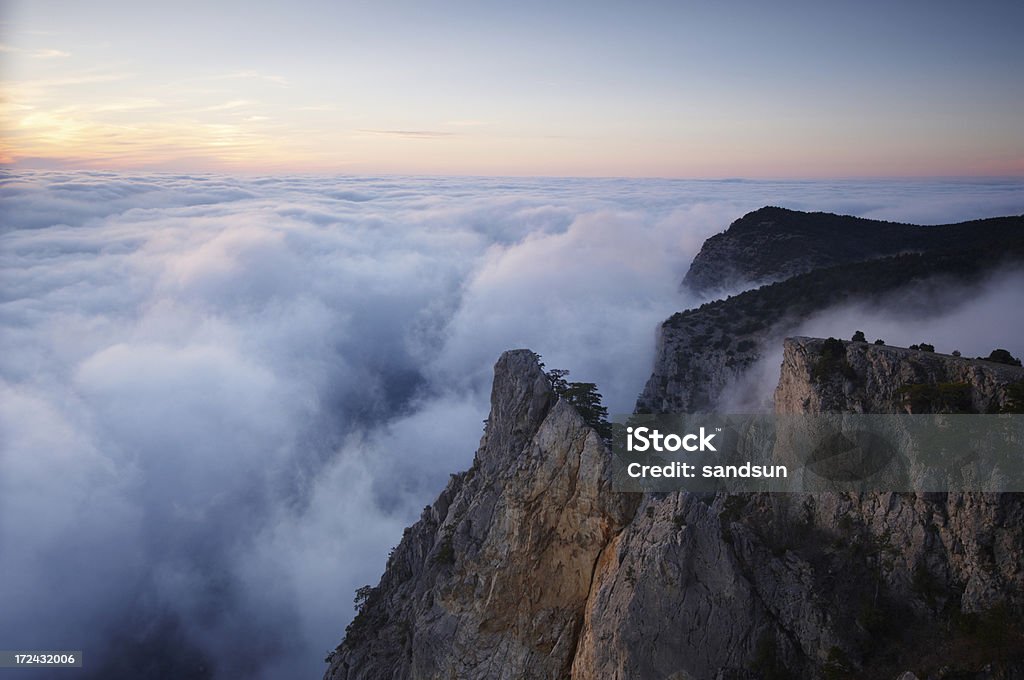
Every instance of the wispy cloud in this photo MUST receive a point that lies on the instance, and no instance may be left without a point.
(132, 104)
(409, 134)
(467, 123)
(227, 106)
(46, 86)
(34, 53)
(254, 75)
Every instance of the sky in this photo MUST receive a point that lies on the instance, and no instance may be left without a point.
(641, 89)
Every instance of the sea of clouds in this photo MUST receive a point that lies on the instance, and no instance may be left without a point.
(222, 399)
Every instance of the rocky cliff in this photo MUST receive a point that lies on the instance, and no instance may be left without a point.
(704, 350)
(528, 566)
(492, 581)
(772, 244)
(866, 378)
(818, 585)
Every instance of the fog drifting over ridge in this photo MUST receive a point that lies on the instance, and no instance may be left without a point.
(221, 400)
(973, 319)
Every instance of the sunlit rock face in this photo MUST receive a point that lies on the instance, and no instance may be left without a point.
(493, 579)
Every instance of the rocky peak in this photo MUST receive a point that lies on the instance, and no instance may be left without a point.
(491, 582)
(521, 396)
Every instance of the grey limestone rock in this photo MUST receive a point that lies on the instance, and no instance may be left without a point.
(529, 566)
(825, 584)
(880, 372)
(491, 582)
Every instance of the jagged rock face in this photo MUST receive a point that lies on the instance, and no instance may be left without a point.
(529, 566)
(880, 372)
(672, 598)
(697, 358)
(803, 585)
(492, 581)
(818, 585)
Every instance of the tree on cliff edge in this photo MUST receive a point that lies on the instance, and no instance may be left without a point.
(585, 399)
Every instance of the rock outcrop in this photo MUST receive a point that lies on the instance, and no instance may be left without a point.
(819, 585)
(493, 579)
(879, 379)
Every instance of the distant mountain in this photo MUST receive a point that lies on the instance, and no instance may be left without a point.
(772, 244)
(702, 350)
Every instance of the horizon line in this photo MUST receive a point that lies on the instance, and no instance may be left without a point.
(15, 167)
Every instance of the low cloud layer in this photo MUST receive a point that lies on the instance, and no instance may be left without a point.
(972, 319)
(221, 400)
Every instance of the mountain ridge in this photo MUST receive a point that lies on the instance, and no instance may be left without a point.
(772, 244)
(701, 351)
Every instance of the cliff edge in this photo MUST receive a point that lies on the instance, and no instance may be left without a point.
(492, 580)
(858, 377)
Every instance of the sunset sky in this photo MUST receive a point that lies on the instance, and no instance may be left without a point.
(669, 89)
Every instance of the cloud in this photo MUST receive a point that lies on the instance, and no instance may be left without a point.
(227, 106)
(252, 75)
(222, 399)
(409, 134)
(972, 319)
(129, 104)
(34, 53)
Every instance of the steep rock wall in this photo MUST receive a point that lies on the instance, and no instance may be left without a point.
(877, 373)
(491, 582)
(529, 566)
(819, 585)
